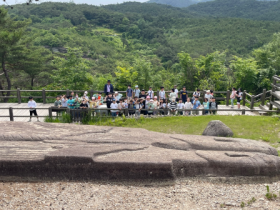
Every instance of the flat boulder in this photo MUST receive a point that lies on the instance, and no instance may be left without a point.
(217, 128)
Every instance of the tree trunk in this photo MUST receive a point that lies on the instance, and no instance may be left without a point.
(32, 82)
(7, 77)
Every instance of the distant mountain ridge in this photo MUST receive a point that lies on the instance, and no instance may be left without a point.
(178, 3)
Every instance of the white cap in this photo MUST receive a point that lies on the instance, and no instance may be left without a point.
(116, 92)
(86, 92)
(136, 86)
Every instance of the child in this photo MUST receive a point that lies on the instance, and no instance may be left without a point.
(232, 97)
(138, 107)
(180, 106)
(64, 101)
(172, 95)
(213, 106)
(32, 105)
(206, 105)
(109, 101)
(156, 105)
(131, 108)
(150, 93)
(117, 96)
(57, 103)
(196, 93)
(239, 97)
(173, 106)
(71, 102)
(196, 105)
(136, 91)
(162, 93)
(176, 92)
(184, 95)
(150, 107)
(84, 105)
(114, 108)
(121, 107)
(188, 105)
(208, 96)
(129, 93)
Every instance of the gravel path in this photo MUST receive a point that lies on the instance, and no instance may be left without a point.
(181, 194)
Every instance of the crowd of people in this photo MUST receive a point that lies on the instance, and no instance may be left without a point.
(137, 101)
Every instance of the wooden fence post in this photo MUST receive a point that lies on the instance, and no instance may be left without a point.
(44, 96)
(252, 102)
(244, 97)
(11, 114)
(228, 97)
(158, 95)
(263, 97)
(67, 92)
(50, 112)
(243, 111)
(18, 96)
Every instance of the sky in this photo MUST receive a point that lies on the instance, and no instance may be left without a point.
(94, 2)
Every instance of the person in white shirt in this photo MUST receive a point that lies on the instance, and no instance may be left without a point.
(180, 105)
(176, 91)
(208, 96)
(162, 93)
(232, 97)
(188, 105)
(32, 105)
(114, 108)
(150, 92)
(172, 95)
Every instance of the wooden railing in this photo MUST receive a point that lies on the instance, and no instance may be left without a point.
(275, 87)
(224, 95)
(104, 112)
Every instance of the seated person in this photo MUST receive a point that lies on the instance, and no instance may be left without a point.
(57, 103)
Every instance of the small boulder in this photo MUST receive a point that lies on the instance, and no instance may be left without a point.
(217, 128)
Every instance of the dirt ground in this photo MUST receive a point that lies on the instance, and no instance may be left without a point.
(191, 193)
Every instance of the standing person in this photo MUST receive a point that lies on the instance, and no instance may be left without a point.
(138, 107)
(173, 106)
(109, 101)
(213, 106)
(108, 88)
(131, 108)
(32, 105)
(184, 95)
(195, 94)
(114, 108)
(136, 92)
(64, 101)
(162, 93)
(232, 97)
(206, 106)
(57, 103)
(72, 94)
(176, 91)
(180, 107)
(239, 95)
(196, 105)
(208, 96)
(172, 95)
(188, 105)
(156, 105)
(85, 95)
(150, 92)
(84, 105)
(117, 96)
(150, 107)
(71, 102)
(129, 93)
(143, 96)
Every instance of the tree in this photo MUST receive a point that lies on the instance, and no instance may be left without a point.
(72, 71)
(125, 76)
(11, 33)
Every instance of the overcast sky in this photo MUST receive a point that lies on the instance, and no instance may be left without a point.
(94, 2)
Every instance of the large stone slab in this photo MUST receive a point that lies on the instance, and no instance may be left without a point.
(71, 151)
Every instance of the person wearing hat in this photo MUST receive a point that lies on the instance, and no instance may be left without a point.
(136, 92)
(108, 88)
(32, 105)
(150, 106)
(208, 95)
(117, 96)
(150, 92)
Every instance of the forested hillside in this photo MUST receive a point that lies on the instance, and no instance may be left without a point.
(250, 9)
(178, 3)
(133, 43)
